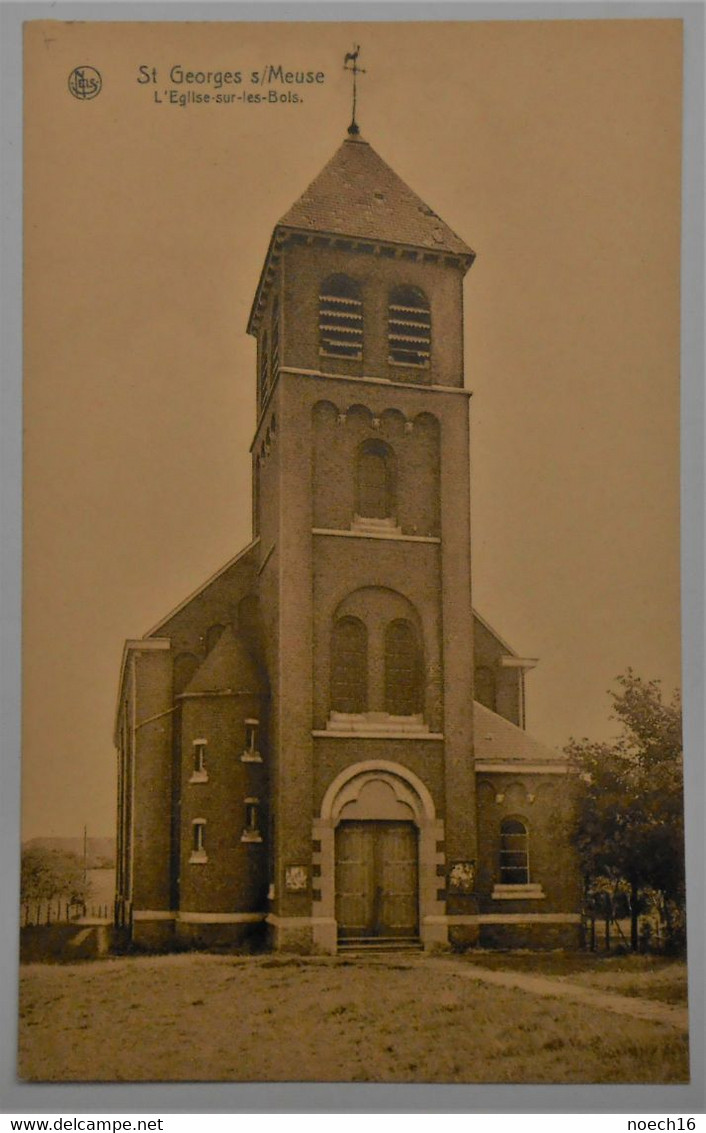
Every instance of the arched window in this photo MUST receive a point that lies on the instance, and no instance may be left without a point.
(341, 317)
(349, 666)
(485, 687)
(403, 691)
(409, 327)
(375, 480)
(514, 853)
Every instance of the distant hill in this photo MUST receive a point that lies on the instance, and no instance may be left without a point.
(100, 851)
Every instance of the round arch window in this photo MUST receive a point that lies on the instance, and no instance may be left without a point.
(403, 688)
(375, 480)
(514, 852)
(349, 666)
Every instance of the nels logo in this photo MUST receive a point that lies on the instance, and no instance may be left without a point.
(85, 83)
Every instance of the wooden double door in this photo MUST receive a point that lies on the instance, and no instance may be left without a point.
(377, 880)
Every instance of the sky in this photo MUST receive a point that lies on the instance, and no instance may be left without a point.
(552, 148)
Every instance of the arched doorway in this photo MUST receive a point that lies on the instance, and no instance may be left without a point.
(377, 866)
(378, 836)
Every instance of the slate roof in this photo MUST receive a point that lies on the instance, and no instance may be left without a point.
(497, 740)
(227, 668)
(358, 194)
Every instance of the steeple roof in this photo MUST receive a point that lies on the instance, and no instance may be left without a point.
(357, 194)
(227, 668)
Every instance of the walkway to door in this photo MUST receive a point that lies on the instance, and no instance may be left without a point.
(554, 987)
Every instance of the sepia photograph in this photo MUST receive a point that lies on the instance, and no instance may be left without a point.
(352, 722)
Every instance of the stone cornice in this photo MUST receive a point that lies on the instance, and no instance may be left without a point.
(282, 236)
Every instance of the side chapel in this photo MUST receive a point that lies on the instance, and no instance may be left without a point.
(325, 742)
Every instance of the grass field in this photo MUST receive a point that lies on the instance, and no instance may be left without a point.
(223, 1018)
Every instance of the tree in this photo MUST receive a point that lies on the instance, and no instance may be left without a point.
(50, 874)
(630, 824)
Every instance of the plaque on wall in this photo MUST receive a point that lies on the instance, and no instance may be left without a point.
(462, 877)
(296, 878)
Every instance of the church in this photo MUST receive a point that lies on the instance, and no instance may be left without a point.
(324, 746)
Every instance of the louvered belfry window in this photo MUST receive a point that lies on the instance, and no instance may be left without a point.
(341, 317)
(409, 327)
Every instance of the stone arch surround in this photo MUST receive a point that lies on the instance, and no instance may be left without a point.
(377, 789)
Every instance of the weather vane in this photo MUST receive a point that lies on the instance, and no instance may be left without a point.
(352, 59)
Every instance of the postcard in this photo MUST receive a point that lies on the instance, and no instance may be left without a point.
(352, 728)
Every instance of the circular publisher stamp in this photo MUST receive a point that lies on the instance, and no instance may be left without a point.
(85, 82)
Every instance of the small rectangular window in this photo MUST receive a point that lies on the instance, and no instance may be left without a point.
(251, 832)
(198, 844)
(199, 774)
(251, 753)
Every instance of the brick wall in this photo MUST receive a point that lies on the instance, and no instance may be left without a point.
(306, 267)
(414, 446)
(508, 682)
(234, 878)
(152, 789)
(545, 804)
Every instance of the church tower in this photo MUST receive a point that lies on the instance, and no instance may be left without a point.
(361, 508)
(323, 746)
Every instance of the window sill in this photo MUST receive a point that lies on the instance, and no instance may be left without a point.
(341, 357)
(251, 757)
(529, 892)
(198, 857)
(377, 725)
(199, 777)
(371, 534)
(251, 836)
(374, 526)
(408, 365)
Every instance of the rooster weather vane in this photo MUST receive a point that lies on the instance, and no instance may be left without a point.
(350, 63)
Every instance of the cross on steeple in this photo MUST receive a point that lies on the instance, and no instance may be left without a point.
(352, 58)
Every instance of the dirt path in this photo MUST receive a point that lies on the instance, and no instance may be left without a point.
(648, 1009)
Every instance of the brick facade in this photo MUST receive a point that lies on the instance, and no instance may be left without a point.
(296, 741)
